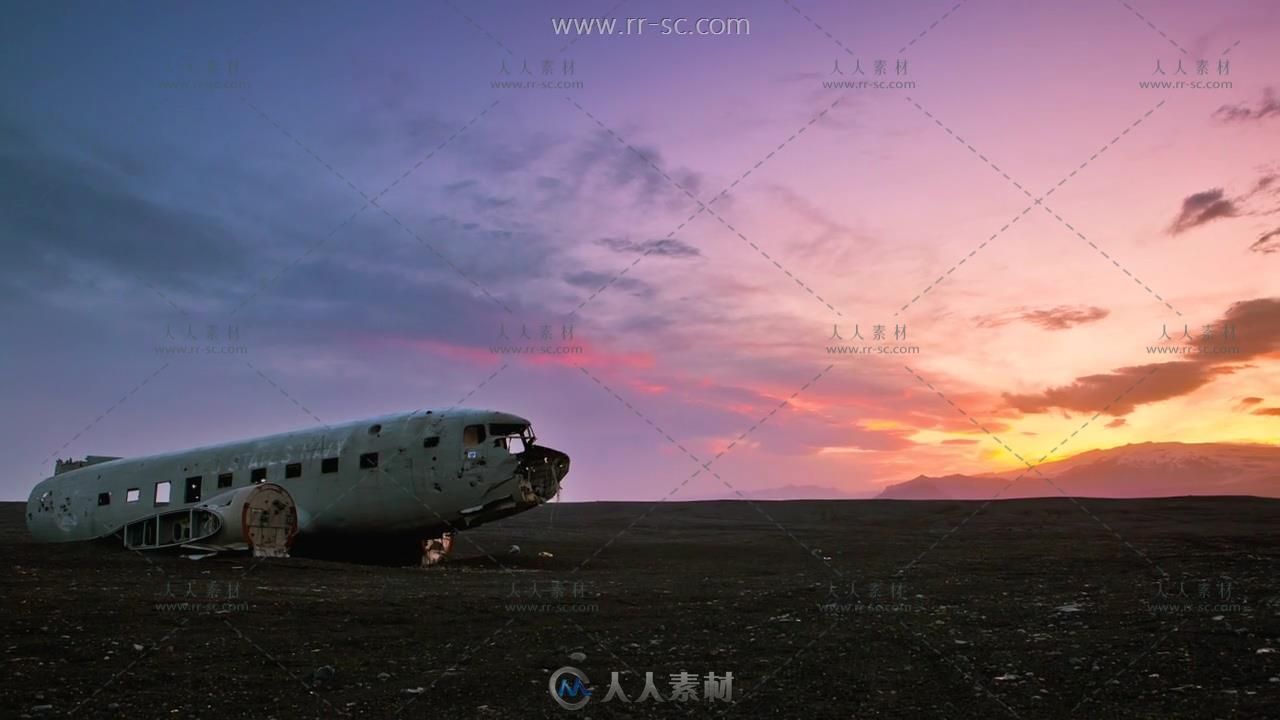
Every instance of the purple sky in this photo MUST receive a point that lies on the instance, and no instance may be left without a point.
(703, 211)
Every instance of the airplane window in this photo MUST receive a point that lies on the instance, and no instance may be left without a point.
(258, 475)
(513, 437)
(431, 442)
(162, 492)
(329, 465)
(368, 461)
(472, 435)
(131, 495)
(293, 470)
(104, 498)
(225, 480)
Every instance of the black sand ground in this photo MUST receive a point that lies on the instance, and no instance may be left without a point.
(1030, 609)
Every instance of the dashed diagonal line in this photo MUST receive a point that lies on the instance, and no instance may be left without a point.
(1034, 467)
(478, 287)
(443, 144)
(704, 466)
(608, 284)
(1089, 696)
(383, 473)
(167, 299)
(1137, 280)
(932, 25)
(272, 658)
(818, 27)
(368, 200)
(311, 521)
(479, 27)
(460, 660)
(706, 207)
(1034, 202)
(305, 148)
(1152, 25)
(133, 550)
(106, 412)
(964, 260)
(968, 675)
(282, 391)
(296, 261)
(126, 669)
(737, 702)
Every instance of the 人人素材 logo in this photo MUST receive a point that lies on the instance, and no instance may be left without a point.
(571, 689)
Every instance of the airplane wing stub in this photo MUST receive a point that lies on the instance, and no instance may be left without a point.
(262, 518)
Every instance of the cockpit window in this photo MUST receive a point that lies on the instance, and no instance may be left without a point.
(512, 437)
(472, 435)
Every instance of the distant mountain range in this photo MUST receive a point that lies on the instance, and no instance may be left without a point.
(785, 492)
(1130, 471)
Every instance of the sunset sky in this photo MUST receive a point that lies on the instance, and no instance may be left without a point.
(703, 211)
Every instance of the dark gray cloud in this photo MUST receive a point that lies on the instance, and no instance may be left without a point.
(1244, 112)
(1268, 243)
(1202, 208)
(665, 247)
(90, 222)
(1260, 200)
(639, 169)
(73, 223)
(593, 281)
(1061, 317)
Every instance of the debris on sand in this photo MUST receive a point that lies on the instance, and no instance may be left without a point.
(578, 656)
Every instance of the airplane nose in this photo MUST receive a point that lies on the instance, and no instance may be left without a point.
(545, 468)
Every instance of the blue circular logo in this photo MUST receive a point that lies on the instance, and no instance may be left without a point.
(570, 688)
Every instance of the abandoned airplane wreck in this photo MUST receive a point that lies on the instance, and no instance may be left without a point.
(423, 475)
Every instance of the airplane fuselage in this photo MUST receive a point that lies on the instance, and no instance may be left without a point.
(421, 473)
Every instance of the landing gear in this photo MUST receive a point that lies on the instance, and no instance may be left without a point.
(434, 550)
